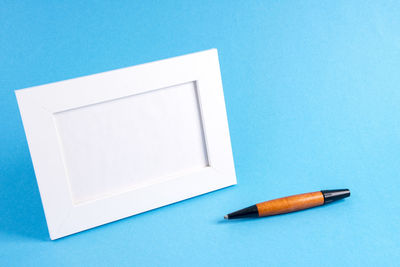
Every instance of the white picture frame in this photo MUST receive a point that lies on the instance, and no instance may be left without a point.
(115, 144)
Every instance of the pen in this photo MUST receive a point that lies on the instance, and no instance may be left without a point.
(290, 204)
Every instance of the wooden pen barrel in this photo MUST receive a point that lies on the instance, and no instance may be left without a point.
(291, 203)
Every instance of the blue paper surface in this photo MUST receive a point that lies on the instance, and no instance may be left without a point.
(312, 91)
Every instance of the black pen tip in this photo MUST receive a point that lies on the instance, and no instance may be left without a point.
(226, 217)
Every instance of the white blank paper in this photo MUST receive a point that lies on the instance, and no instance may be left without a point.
(114, 146)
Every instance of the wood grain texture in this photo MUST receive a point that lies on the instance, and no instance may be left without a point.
(291, 203)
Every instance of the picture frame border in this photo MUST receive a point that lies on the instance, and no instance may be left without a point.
(39, 104)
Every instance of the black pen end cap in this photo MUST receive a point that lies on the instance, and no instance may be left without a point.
(333, 195)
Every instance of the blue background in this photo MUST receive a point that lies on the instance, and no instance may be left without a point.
(312, 92)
